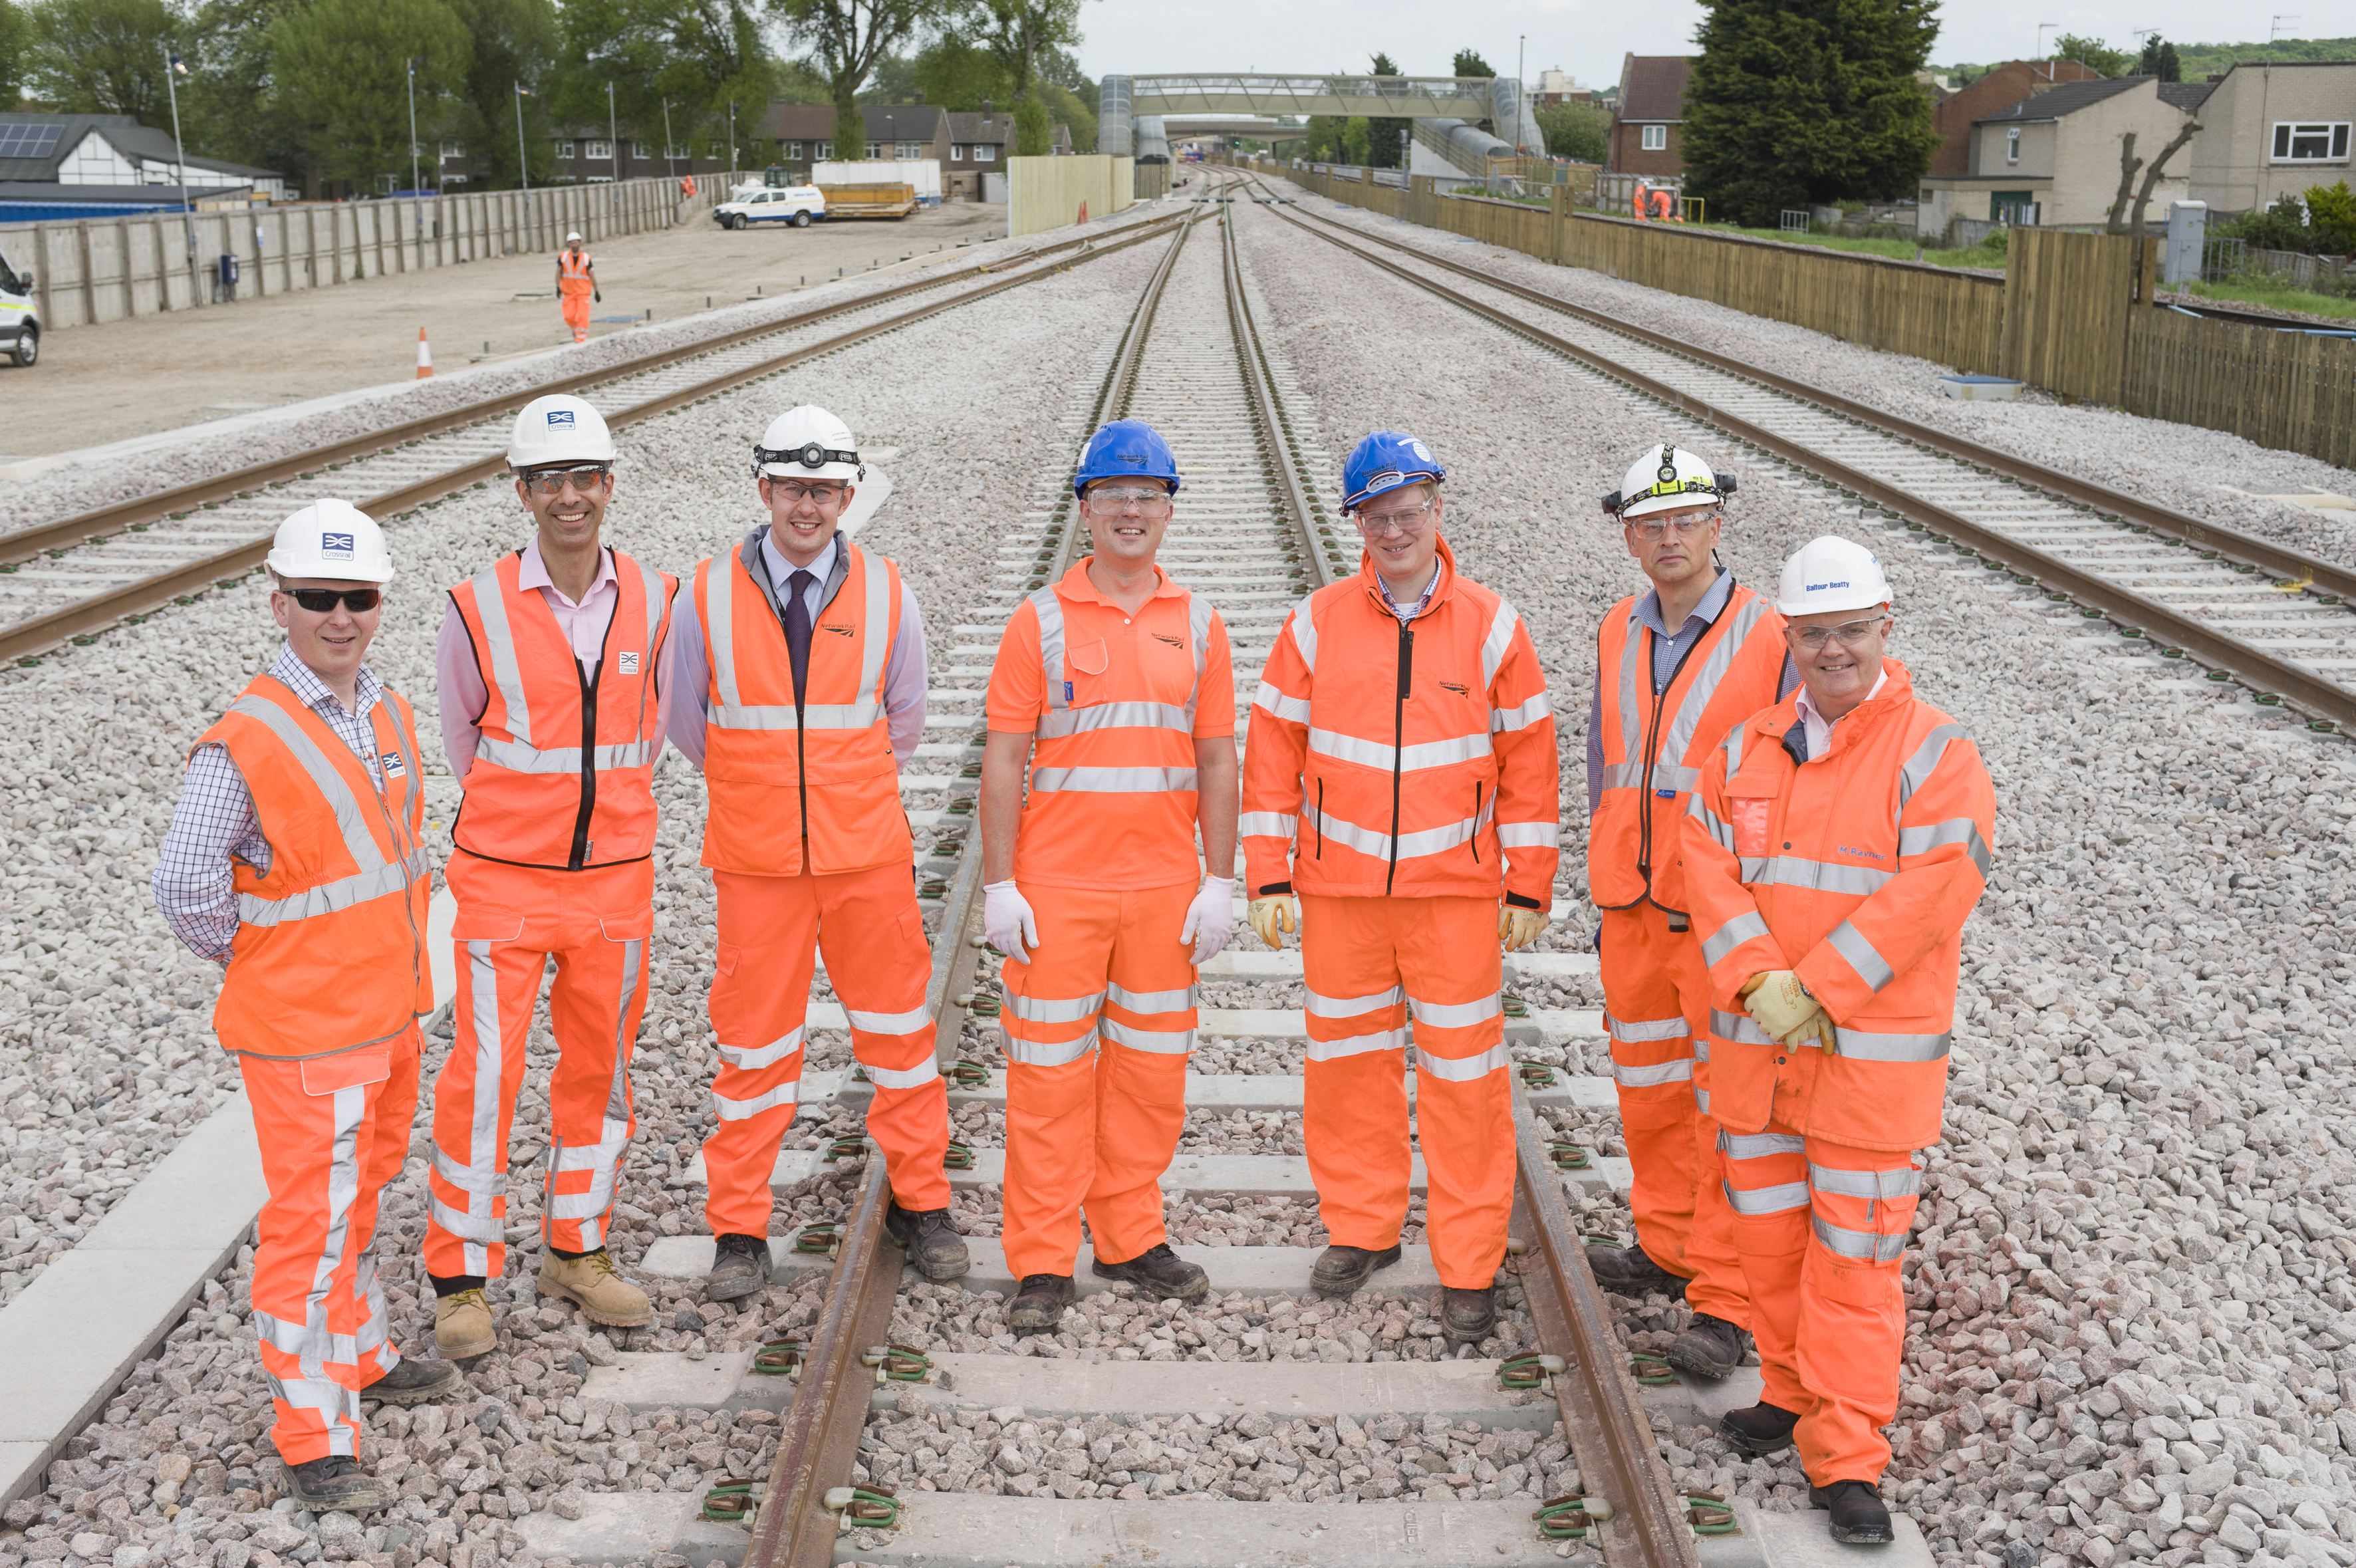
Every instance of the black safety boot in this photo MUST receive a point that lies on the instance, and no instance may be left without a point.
(930, 1238)
(1858, 1516)
(740, 1266)
(1629, 1271)
(1341, 1270)
(1763, 1429)
(1467, 1317)
(1039, 1305)
(1709, 1348)
(1160, 1273)
(337, 1482)
(416, 1381)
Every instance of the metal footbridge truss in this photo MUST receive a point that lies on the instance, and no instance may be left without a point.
(1128, 101)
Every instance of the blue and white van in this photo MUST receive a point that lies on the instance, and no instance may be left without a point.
(20, 328)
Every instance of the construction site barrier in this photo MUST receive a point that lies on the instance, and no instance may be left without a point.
(1046, 193)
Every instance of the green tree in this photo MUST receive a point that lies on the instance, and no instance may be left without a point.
(228, 102)
(16, 43)
(509, 42)
(2094, 54)
(2159, 60)
(338, 71)
(1383, 134)
(1035, 132)
(1066, 108)
(1357, 134)
(1579, 132)
(102, 56)
(957, 76)
(2331, 215)
(1016, 33)
(847, 39)
(1468, 62)
(1797, 102)
(1323, 143)
(699, 57)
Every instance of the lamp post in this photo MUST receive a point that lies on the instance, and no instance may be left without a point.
(523, 169)
(732, 137)
(416, 202)
(671, 160)
(2043, 28)
(173, 66)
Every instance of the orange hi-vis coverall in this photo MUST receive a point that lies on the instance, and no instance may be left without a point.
(809, 849)
(553, 839)
(1855, 869)
(1655, 990)
(574, 284)
(320, 1004)
(1100, 1022)
(1401, 776)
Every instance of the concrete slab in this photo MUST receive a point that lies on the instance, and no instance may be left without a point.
(1461, 1391)
(624, 1527)
(1801, 1540)
(648, 1379)
(1698, 1401)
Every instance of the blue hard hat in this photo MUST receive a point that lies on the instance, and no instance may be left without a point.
(1126, 449)
(1384, 461)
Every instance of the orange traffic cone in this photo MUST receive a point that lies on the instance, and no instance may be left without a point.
(1083, 213)
(425, 356)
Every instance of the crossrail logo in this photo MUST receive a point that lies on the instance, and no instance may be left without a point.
(394, 767)
(630, 663)
(336, 547)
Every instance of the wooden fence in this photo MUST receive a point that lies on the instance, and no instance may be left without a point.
(2285, 389)
(103, 269)
(1046, 193)
(2067, 299)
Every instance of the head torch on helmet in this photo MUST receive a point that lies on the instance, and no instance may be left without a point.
(808, 455)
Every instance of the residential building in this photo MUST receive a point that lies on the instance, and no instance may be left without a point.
(1953, 114)
(1555, 86)
(2271, 132)
(802, 135)
(978, 146)
(1650, 116)
(112, 159)
(2052, 159)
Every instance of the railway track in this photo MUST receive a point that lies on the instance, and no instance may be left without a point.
(2278, 620)
(68, 579)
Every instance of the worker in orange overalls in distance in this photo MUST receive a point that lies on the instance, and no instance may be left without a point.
(1664, 207)
(297, 860)
(1675, 668)
(1400, 782)
(561, 639)
(576, 285)
(1834, 847)
(801, 737)
(1642, 202)
(1114, 687)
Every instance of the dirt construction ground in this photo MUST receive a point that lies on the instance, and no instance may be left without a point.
(103, 383)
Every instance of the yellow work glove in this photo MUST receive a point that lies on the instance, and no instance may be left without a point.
(1272, 913)
(1518, 928)
(1782, 1006)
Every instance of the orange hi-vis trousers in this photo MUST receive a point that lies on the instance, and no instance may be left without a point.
(1100, 1025)
(511, 920)
(1656, 1009)
(867, 925)
(333, 1130)
(576, 315)
(1370, 964)
(1820, 1227)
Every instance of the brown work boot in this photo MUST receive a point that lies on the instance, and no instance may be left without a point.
(592, 1284)
(1039, 1301)
(337, 1483)
(1162, 1274)
(416, 1381)
(931, 1240)
(462, 1326)
(1709, 1348)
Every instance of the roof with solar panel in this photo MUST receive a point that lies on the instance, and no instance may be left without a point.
(36, 148)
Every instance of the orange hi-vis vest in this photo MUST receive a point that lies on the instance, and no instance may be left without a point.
(1655, 742)
(808, 787)
(573, 275)
(1857, 869)
(563, 774)
(330, 948)
(1412, 757)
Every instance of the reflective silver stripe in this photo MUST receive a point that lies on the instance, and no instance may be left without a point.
(752, 1058)
(1669, 776)
(1745, 926)
(1032, 1053)
(1425, 841)
(1500, 639)
(1639, 1031)
(326, 777)
(1658, 1073)
(603, 1159)
(1304, 634)
(1629, 774)
(1357, 1045)
(1462, 1070)
(728, 1110)
(1701, 1047)
(924, 1072)
(1905, 1183)
(1530, 835)
(1198, 637)
(485, 1180)
(1407, 759)
(1781, 1198)
(1538, 707)
(1268, 824)
(1870, 1245)
(518, 758)
(1859, 1046)
(1050, 611)
(1822, 875)
(1111, 780)
(1921, 840)
(1293, 710)
(1115, 715)
(1054, 1009)
(1177, 1001)
(1738, 1027)
(732, 712)
(505, 671)
(465, 1179)
(1759, 1146)
(1918, 768)
(302, 1339)
(1678, 738)
(1623, 776)
(814, 716)
(1701, 1100)
(874, 633)
(1165, 1042)
(1851, 944)
(1733, 749)
(343, 1190)
(1322, 1006)
(1719, 828)
(719, 632)
(1454, 1014)
(907, 1022)
(476, 1230)
(332, 897)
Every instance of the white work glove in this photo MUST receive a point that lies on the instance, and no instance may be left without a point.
(1272, 913)
(1782, 1006)
(1007, 919)
(1210, 918)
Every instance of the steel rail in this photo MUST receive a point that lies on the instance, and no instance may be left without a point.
(820, 1439)
(1275, 431)
(2255, 667)
(98, 610)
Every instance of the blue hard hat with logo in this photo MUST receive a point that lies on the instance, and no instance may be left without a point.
(1383, 462)
(1126, 449)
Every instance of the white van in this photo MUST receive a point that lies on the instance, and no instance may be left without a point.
(794, 204)
(20, 328)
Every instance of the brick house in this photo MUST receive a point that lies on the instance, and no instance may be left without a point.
(1999, 91)
(1649, 117)
(803, 134)
(978, 145)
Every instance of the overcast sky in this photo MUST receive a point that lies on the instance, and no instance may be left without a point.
(1585, 37)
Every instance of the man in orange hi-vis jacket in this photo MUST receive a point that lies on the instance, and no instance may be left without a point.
(576, 285)
(1834, 847)
(1400, 780)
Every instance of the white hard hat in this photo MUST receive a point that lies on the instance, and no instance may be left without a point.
(573, 238)
(334, 540)
(559, 428)
(807, 443)
(1831, 573)
(1666, 478)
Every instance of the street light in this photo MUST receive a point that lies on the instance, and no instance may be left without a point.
(416, 202)
(174, 66)
(670, 159)
(524, 169)
(2043, 28)
(613, 137)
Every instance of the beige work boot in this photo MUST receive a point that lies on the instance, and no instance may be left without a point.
(462, 1326)
(591, 1282)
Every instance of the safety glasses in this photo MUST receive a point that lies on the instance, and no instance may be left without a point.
(552, 481)
(793, 492)
(1852, 634)
(1150, 504)
(1409, 520)
(1651, 528)
(323, 601)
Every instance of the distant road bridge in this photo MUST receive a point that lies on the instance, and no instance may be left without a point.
(1130, 104)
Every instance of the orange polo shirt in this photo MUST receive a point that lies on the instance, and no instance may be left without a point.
(1112, 802)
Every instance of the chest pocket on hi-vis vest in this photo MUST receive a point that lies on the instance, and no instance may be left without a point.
(1750, 802)
(1085, 664)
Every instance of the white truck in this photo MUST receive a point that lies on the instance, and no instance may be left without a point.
(794, 204)
(20, 328)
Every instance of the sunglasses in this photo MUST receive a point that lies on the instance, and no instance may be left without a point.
(552, 481)
(322, 601)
